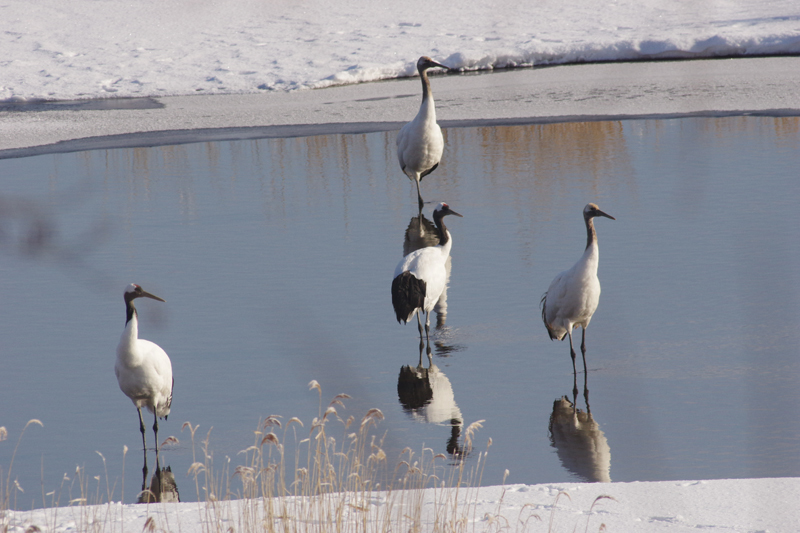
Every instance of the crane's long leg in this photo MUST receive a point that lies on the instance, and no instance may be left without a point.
(428, 328)
(158, 464)
(585, 372)
(144, 448)
(419, 195)
(574, 370)
(419, 327)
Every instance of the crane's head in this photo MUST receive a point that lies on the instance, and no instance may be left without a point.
(443, 209)
(425, 62)
(591, 211)
(134, 291)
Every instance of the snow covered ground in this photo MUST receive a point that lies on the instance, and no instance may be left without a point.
(764, 505)
(592, 91)
(90, 48)
(253, 51)
(248, 52)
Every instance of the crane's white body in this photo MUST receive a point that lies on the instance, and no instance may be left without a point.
(428, 264)
(420, 143)
(144, 371)
(573, 295)
(421, 276)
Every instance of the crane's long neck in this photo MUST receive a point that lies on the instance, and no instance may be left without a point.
(125, 351)
(447, 244)
(445, 240)
(591, 234)
(426, 84)
(130, 311)
(591, 254)
(441, 229)
(131, 332)
(427, 95)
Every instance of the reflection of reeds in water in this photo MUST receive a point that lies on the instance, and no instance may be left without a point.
(786, 128)
(780, 127)
(530, 168)
(524, 154)
(535, 162)
(545, 153)
(580, 444)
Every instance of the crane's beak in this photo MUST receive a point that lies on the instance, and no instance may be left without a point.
(427, 62)
(451, 212)
(600, 213)
(152, 296)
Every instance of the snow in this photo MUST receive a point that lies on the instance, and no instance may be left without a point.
(251, 54)
(101, 48)
(766, 86)
(249, 49)
(765, 505)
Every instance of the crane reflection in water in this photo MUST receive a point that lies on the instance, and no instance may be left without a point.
(580, 444)
(427, 396)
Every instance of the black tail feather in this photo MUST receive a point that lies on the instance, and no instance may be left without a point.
(543, 305)
(408, 294)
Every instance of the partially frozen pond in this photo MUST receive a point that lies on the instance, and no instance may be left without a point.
(276, 258)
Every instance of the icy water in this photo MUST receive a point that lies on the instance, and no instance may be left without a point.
(275, 258)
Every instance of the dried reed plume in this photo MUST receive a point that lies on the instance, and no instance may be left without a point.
(335, 477)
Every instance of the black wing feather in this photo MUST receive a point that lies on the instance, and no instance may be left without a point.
(408, 294)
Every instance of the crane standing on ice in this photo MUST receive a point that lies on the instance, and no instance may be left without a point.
(420, 143)
(574, 294)
(144, 371)
(420, 277)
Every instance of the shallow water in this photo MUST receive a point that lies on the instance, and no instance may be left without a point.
(276, 257)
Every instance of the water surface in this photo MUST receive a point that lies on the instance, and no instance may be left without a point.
(276, 257)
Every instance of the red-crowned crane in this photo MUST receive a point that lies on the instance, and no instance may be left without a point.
(574, 294)
(144, 371)
(420, 142)
(420, 277)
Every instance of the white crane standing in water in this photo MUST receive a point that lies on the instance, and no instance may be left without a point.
(421, 276)
(144, 371)
(420, 143)
(574, 294)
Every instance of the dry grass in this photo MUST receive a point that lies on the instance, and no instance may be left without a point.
(339, 479)
(336, 478)
(6, 486)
